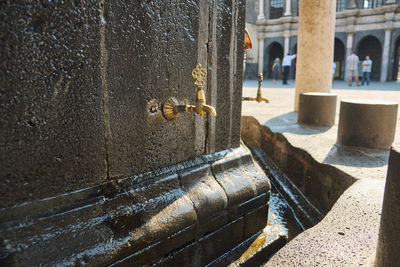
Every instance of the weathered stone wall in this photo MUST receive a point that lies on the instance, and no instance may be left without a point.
(188, 214)
(83, 83)
(92, 173)
(51, 102)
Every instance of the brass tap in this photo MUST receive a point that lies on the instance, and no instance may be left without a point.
(259, 97)
(172, 108)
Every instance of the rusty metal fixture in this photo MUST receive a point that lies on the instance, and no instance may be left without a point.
(172, 108)
(259, 97)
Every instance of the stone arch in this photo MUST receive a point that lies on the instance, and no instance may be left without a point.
(339, 58)
(396, 67)
(273, 51)
(372, 47)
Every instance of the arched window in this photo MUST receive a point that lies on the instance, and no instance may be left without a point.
(340, 5)
(276, 9)
(372, 4)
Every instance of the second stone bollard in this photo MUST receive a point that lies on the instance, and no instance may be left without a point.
(367, 123)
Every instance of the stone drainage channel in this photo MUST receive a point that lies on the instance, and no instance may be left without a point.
(287, 203)
(303, 191)
(290, 213)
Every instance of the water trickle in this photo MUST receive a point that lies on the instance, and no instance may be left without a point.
(285, 215)
(290, 207)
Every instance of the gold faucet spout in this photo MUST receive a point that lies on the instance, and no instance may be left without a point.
(209, 110)
(259, 97)
(172, 108)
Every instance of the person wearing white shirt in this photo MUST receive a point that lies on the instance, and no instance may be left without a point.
(333, 71)
(352, 63)
(286, 62)
(366, 68)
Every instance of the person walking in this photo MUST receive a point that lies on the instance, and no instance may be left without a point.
(286, 62)
(366, 69)
(276, 70)
(333, 71)
(352, 63)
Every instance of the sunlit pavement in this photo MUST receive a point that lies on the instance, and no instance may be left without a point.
(320, 142)
(349, 232)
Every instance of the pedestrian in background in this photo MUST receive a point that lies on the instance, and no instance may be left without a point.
(276, 70)
(352, 63)
(286, 62)
(366, 69)
(333, 71)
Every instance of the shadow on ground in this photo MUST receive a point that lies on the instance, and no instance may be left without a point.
(287, 123)
(356, 157)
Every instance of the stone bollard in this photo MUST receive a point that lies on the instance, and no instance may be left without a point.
(367, 123)
(317, 109)
(389, 232)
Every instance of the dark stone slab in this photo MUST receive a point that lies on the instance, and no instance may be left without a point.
(104, 229)
(144, 219)
(208, 248)
(51, 110)
(240, 179)
(208, 197)
(255, 220)
(257, 249)
(229, 39)
(255, 173)
(162, 249)
(253, 203)
(236, 185)
(150, 59)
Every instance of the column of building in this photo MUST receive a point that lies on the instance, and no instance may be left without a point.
(315, 46)
(349, 49)
(288, 7)
(385, 55)
(351, 5)
(261, 15)
(260, 39)
(386, 45)
(260, 54)
(286, 35)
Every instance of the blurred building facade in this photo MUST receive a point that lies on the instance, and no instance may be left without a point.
(368, 27)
